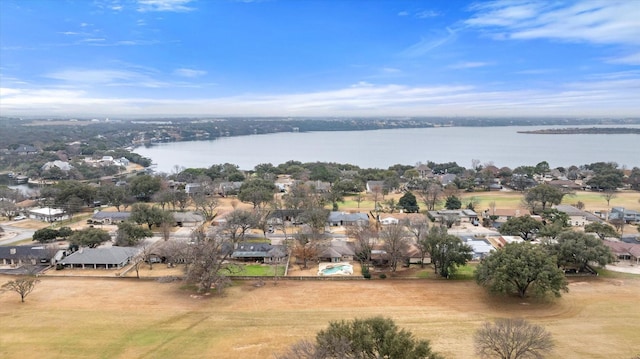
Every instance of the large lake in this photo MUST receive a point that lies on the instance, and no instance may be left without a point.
(383, 148)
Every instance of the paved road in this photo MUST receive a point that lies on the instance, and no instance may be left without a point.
(13, 234)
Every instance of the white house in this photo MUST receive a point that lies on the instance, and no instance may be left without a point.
(48, 214)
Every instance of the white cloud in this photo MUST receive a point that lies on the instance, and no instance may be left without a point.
(191, 73)
(164, 5)
(403, 13)
(596, 21)
(607, 95)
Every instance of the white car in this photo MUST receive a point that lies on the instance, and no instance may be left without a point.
(19, 218)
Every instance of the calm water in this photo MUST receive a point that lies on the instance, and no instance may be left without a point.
(383, 148)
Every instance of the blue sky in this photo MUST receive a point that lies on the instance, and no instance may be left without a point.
(319, 58)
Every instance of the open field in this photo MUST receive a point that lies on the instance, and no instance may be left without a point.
(129, 318)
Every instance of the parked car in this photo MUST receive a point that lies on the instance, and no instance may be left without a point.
(19, 218)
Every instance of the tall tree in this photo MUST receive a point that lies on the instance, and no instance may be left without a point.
(512, 339)
(143, 187)
(541, 196)
(23, 286)
(409, 203)
(257, 191)
(368, 338)
(603, 230)
(145, 214)
(518, 267)
(130, 234)
(447, 251)
(89, 237)
(576, 250)
(523, 226)
(453, 202)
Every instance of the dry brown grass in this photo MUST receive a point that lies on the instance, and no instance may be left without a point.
(129, 318)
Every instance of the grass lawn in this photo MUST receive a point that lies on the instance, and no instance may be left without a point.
(129, 318)
(258, 270)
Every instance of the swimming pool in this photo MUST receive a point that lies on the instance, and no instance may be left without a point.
(335, 269)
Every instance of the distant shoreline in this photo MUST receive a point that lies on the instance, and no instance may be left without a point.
(586, 131)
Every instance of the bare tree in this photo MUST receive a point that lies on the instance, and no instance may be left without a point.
(608, 196)
(206, 204)
(364, 236)
(395, 243)
(22, 286)
(512, 339)
(430, 192)
(306, 248)
(239, 221)
(207, 264)
(419, 229)
(358, 198)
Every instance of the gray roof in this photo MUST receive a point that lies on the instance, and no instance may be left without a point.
(23, 252)
(573, 211)
(111, 215)
(257, 250)
(111, 256)
(187, 217)
(347, 217)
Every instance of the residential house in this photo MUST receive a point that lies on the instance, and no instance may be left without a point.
(62, 165)
(481, 247)
(107, 217)
(47, 214)
(462, 215)
(187, 219)
(424, 171)
(280, 216)
(23, 150)
(337, 218)
(193, 188)
(107, 258)
(17, 256)
(229, 188)
(577, 217)
(338, 251)
(505, 214)
(565, 185)
(629, 215)
(413, 255)
(259, 252)
(625, 251)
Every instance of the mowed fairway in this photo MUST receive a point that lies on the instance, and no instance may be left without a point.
(128, 318)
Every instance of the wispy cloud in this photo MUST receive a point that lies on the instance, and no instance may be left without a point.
(421, 14)
(164, 5)
(425, 14)
(105, 77)
(468, 65)
(191, 73)
(599, 22)
(425, 45)
(631, 59)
